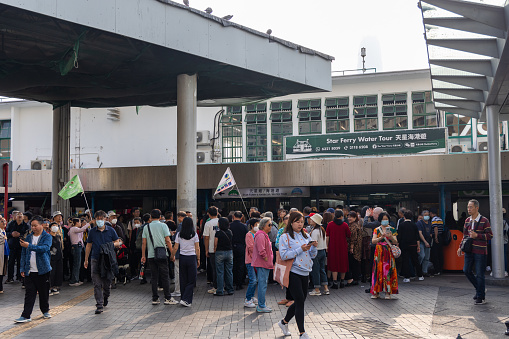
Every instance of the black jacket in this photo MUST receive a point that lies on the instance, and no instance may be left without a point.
(239, 231)
(108, 261)
(12, 226)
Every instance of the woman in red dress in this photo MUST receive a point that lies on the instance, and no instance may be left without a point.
(337, 247)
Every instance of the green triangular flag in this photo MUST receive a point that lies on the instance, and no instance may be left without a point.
(71, 189)
(138, 109)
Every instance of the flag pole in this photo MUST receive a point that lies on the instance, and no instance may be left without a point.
(86, 202)
(243, 203)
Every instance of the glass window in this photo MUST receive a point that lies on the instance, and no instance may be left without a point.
(366, 111)
(232, 134)
(458, 126)
(256, 135)
(423, 110)
(338, 120)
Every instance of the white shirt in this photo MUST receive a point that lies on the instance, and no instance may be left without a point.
(33, 261)
(187, 246)
(316, 236)
(210, 231)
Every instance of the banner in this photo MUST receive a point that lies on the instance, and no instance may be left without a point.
(426, 140)
(71, 189)
(267, 192)
(227, 182)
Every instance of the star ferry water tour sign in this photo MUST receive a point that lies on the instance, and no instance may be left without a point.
(428, 140)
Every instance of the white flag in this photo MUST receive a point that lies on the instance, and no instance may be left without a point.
(227, 182)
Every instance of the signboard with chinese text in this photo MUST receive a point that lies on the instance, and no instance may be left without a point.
(268, 192)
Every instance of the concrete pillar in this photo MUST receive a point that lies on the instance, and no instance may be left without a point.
(186, 143)
(495, 185)
(60, 154)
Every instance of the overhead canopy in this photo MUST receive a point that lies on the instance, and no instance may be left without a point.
(102, 53)
(468, 54)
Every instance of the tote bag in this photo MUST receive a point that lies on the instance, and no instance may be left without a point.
(282, 270)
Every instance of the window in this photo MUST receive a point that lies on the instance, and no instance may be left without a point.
(5, 139)
(394, 111)
(281, 118)
(310, 116)
(231, 134)
(337, 115)
(458, 126)
(423, 110)
(256, 133)
(365, 113)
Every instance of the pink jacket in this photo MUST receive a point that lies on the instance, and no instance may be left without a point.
(249, 247)
(262, 250)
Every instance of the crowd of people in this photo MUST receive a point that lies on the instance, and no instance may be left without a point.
(331, 250)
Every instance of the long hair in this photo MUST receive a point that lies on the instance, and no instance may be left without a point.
(327, 218)
(187, 232)
(294, 216)
(320, 228)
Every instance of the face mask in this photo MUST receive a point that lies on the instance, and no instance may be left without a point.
(256, 229)
(385, 222)
(426, 217)
(54, 229)
(114, 221)
(100, 223)
(137, 225)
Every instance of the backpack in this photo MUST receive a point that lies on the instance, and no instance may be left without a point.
(139, 238)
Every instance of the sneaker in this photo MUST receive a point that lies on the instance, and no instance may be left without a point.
(9, 281)
(22, 320)
(185, 303)
(55, 291)
(249, 304)
(488, 268)
(99, 310)
(50, 293)
(480, 301)
(212, 291)
(254, 300)
(421, 278)
(156, 302)
(406, 280)
(75, 284)
(375, 296)
(170, 301)
(160, 289)
(284, 328)
(314, 292)
(263, 309)
(326, 292)
(175, 294)
(80, 283)
(304, 336)
(46, 315)
(105, 301)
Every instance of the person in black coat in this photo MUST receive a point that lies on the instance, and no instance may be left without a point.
(409, 242)
(239, 231)
(15, 230)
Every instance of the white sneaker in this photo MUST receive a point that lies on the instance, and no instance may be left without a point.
(304, 336)
(249, 304)
(284, 328)
(185, 303)
(254, 300)
(160, 289)
(421, 278)
(175, 294)
(212, 290)
(406, 280)
(315, 293)
(170, 302)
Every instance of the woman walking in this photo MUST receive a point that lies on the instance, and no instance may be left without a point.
(251, 301)
(354, 249)
(318, 273)
(296, 244)
(385, 276)
(56, 259)
(3, 256)
(337, 261)
(262, 261)
(189, 260)
(224, 258)
(288, 300)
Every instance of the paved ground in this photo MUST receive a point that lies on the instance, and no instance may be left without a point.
(440, 307)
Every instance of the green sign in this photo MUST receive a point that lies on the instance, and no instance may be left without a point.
(427, 140)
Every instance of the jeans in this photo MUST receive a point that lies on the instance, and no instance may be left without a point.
(424, 258)
(160, 270)
(297, 285)
(35, 283)
(14, 258)
(101, 285)
(177, 275)
(251, 287)
(477, 280)
(263, 276)
(318, 274)
(187, 273)
(76, 263)
(224, 271)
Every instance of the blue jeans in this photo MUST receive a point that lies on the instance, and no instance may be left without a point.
(76, 263)
(251, 287)
(424, 257)
(318, 273)
(477, 280)
(224, 271)
(263, 276)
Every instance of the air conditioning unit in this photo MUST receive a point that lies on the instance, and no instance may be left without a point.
(482, 146)
(38, 165)
(203, 156)
(203, 138)
(457, 149)
(113, 114)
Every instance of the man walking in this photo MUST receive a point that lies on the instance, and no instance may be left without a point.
(76, 236)
(424, 227)
(35, 268)
(209, 235)
(478, 228)
(437, 251)
(239, 231)
(16, 229)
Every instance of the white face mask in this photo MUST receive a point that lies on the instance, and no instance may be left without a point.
(114, 221)
(137, 225)
(256, 229)
(54, 229)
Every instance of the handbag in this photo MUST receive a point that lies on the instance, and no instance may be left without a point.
(159, 252)
(282, 270)
(466, 245)
(396, 251)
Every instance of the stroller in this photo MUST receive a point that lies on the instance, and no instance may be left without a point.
(123, 265)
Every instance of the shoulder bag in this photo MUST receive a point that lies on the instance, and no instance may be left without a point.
(396, 251)
(467, 242)
(282, 270)
(159, 252)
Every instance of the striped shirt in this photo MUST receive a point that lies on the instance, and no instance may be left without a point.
(482, 227)
(438, 223)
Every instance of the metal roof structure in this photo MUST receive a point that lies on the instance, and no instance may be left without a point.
(468, 55)
(104, 53)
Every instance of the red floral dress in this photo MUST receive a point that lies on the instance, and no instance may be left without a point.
(385, 276)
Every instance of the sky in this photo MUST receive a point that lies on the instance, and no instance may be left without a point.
(390, 30)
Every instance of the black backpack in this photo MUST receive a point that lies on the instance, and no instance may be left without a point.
(446, 236)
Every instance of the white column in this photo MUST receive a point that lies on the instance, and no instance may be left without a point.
(495, 186)
(186, 143)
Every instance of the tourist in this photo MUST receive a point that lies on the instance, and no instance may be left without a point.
(409, 243)
(384, 277)
(437, 250)
(354, 249)
(223, 249)
(424, 227)
(56, 261)
(319, 275)
(209, 234)
(262, 261)
(239, 231)
(338, 233)
(251, 301)
(296, 244)
(77, 245)
(15, 230)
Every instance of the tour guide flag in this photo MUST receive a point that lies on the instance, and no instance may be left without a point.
(227, 182)
(71, 189)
